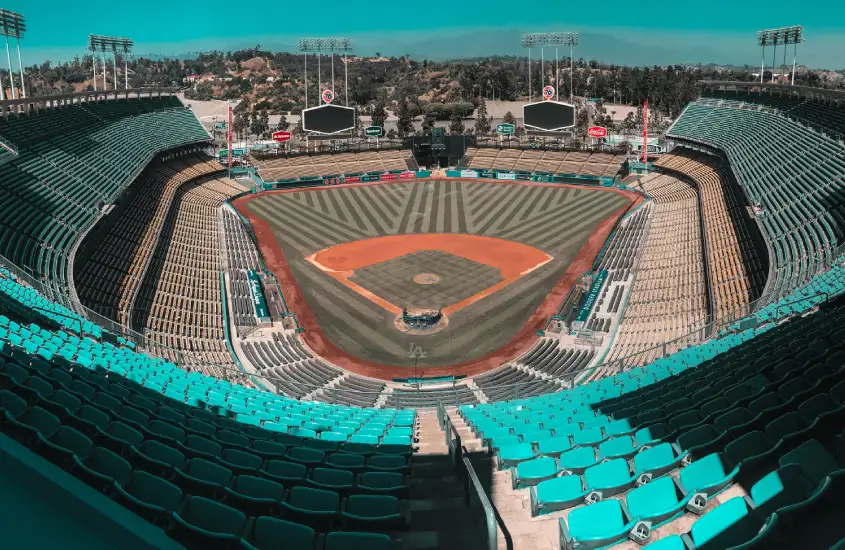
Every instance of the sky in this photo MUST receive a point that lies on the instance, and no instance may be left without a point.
(719, 31)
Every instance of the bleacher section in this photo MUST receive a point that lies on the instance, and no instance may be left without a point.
(792, 174)
(207, 460)
(555, 162)
(827, 118)
(72, 159)
(179, 304)
(338, 164)
(108, 280)
(352, 390)
(668, 297)
(736, 273)
(705, 445)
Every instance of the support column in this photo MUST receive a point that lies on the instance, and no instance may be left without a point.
(20, 66)
(11, 73)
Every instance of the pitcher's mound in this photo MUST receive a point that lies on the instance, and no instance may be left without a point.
(427, 279)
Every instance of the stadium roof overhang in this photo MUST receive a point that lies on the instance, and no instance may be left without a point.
(819, 94)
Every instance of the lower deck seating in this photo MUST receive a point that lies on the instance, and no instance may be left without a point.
(180, 305)
(108, 281)
(289, 365)
(668, 298)
(509, 382)
(352, 390)
(321, 165)
(555, 162)
(428, 398)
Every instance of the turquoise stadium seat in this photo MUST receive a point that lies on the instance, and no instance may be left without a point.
(532, 472)
(556, 494)
(596, 526)
(269, 533)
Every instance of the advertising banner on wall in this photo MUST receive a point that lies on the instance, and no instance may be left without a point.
(505, 176)
(352, 179)
(386, 177)
(258, 301)
(524, 177)
(469, 174)
(408, 175)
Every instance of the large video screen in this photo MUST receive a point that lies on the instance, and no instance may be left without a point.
(328, 119)
(548, 115)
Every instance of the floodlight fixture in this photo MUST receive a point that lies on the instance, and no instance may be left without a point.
(12, 25)
(784, 36)
(544, 40)
(115, 45)
(331, 46)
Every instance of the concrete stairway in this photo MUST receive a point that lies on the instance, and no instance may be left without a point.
(440, 515)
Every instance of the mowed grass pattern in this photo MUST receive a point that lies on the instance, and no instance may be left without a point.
(556, 220)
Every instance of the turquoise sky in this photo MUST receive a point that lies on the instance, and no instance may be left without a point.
(59, 29)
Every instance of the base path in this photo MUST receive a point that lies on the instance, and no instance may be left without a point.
(513, 260)
(520, 343)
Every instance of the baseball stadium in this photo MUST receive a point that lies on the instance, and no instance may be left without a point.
(539, 340)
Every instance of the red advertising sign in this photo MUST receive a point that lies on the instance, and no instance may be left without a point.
(548, 92)
(408, 175)
(597, 132)
(281, 137)
(328, 96)
(353, 179)
(389, 176)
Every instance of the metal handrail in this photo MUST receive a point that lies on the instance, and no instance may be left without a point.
(489, 511)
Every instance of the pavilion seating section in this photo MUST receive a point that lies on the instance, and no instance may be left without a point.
(292, 368)
(352, 390)
(739, 439)
(108, 281)
(242, 256)
(791, 174)
(337, 164)
(667, 299)
(208, 461)
(179, 307)
(553, 162)
(828, 118)
(736, 272)
(72, 159)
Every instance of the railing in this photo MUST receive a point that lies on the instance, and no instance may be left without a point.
(469, 478)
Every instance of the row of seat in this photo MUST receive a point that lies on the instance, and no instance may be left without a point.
(533, 160)
(667, 299)
(736, 273)
(304, 166)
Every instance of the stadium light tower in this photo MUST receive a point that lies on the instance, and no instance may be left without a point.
(113, 44)
(548, 39)
(12, 25)
(331, 46)
(772, 37)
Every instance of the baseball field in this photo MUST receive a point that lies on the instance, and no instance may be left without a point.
(496, 258)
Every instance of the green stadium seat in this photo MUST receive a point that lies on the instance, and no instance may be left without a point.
(511, 455)
(305, 456)
(63, 445)
(622, 446)
(386, 483)
(102, 469)
(156, 458)
(240, 462)
(388, 463)
(269, 533)
(596, 526)
(709, 475)
(207, 524)
(730, 524)
(31, 425)
(661, 501)
(196, 446)
(577, 460)
(656, 461)
(554, 446)
(609, 478)
(149, 496)
(374, 512)
(120, 437)
(559, 493)
(204, 478)
(532, 472)
(313, 507)
(286, 473)
(339, 481)
(254, 495)
(815, 461)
